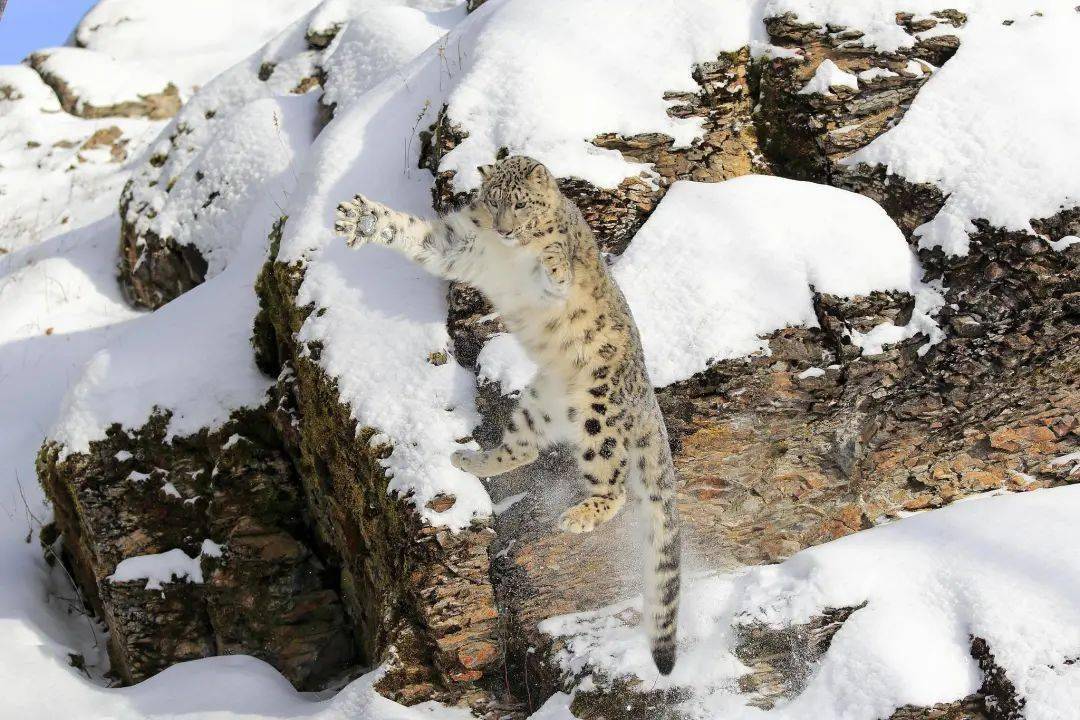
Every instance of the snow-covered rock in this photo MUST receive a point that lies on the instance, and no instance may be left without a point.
(94, 85)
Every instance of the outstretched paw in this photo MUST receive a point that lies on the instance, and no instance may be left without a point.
(356, 220)
(554, 288)
(588, 515)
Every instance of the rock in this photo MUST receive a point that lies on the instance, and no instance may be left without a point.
(780, 661)
(419, 597)
(267, 595)
(149, 98)
(160, 260)
(108, 137)
(153, 269)
(803, 135)
(966, 326)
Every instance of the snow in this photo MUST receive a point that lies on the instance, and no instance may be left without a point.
(741, 259)
(99, 80)
(1008, 160)
(827, 76)
(24, 92)
(1066, 459)
(222, 188)
(503, 360)
(875, 73)
(187, 42)
(159, 569)
(209, 548)
(44, 172)
(811, 372)
(590, 71)
(988, 567)
(1065, 242)
(379, 42)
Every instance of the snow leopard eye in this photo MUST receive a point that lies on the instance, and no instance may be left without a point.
(519, 206)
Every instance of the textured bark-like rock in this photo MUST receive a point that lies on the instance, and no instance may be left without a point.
(267, 595)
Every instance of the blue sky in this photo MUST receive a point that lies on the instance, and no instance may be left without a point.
(31, 24)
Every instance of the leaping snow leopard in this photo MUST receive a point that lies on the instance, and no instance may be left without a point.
(529, 251)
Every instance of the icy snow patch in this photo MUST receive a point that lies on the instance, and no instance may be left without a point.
(1064, 242)
(209, 548)
(159, 569)
(875, 73)
(166, 567)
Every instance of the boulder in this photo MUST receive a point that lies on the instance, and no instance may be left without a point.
(231, 500)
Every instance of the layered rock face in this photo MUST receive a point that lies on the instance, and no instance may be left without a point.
(325, 571)
(420, 596)
(267, 594)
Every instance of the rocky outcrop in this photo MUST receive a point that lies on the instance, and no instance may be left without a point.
(154, 270)
(804, 134)
(159, 105)
(267, 593)
(420, 596)
(155, 267)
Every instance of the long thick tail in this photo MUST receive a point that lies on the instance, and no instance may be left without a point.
(662, 577)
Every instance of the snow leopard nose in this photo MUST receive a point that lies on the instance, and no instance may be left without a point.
(501, 223)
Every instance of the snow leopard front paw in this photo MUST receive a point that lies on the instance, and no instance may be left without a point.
(554, 278)
(356, 220)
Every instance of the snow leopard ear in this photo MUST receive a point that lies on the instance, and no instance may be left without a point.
(485, 171)
(538, 172)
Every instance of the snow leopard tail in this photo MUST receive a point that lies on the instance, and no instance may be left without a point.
(662, 579)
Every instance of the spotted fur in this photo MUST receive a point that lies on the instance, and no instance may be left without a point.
(528, 249)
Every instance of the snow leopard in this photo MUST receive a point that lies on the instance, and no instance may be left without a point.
(529, 251)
